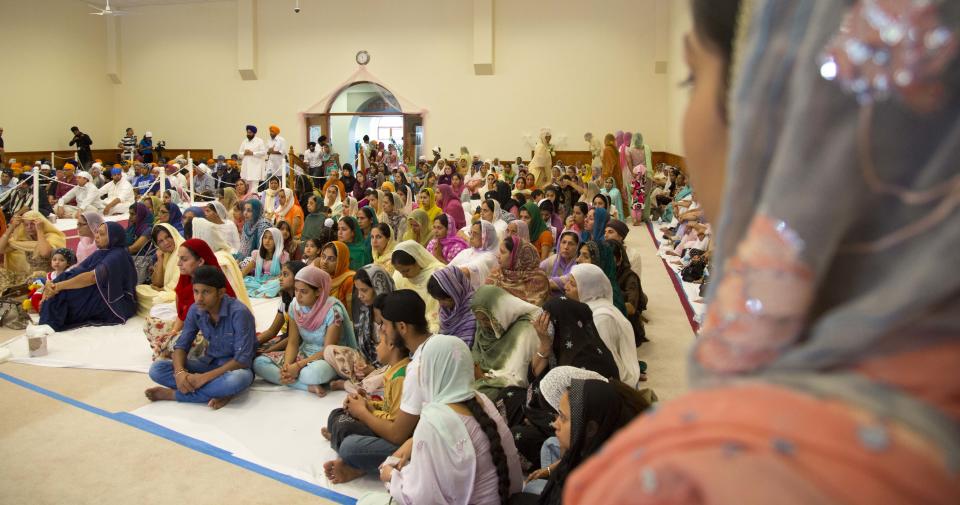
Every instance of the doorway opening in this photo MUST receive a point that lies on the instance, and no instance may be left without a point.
(367, 108)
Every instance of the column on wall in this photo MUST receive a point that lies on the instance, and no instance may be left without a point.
(483, 37)
(247, 39)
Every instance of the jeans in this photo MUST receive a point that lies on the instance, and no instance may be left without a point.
(317, 372)
(228, 384)
(366, 453)
(549, 454)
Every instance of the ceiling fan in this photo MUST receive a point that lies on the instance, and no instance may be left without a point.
(107, 11)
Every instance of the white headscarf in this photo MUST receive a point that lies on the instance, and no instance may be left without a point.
(288, 196)
(479, 261)
(211, 234)
(558, 379)
(614, 329)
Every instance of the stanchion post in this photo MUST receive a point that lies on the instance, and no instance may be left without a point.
(192, 193)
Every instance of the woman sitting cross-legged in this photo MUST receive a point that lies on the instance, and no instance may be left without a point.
(165, 320)
(352, 430)
(463, 452)
(263, 272)
(99, 291)
(506, 339)
(361, 367)
(274, 338)
(316, 320)
(165, 276)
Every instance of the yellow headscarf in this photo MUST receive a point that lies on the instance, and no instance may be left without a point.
(20, 243)
(155, 203)
(384, 259)
(426, 230)
(429, 206)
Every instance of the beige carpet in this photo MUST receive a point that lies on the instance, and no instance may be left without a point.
(669, 329)
(57, 453)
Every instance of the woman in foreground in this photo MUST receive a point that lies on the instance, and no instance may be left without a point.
(843, 380)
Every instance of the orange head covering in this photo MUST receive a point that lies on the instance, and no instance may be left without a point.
(274, 129)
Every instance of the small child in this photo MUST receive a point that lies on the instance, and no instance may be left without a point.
(311, 250)
(274, 338)
(60, 260)
(352, 430)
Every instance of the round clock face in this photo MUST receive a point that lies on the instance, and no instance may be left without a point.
(363, 57)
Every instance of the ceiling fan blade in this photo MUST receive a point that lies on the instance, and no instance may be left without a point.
(95, 13)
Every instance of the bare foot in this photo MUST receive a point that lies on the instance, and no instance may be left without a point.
(326, 433)
(338, 471)
(218, 403)
(336, 385)
(160, 393)
(317, 390)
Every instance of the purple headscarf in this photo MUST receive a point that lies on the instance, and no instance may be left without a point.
(458, 321)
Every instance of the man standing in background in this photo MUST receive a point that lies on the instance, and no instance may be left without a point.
(276, 150)
(253, 156)
(83, 143)
(128, 143)
(312, 158)
(1, 146)
(146, 147)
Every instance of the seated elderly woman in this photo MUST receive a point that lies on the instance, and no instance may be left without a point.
(98, 292)
(28, 243)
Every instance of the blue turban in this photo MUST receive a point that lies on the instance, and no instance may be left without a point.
(115, 171)
(252, 128)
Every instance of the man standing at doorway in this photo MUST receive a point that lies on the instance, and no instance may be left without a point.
(253, 156)
(276, 150)
(312, 158)
(1, 146)
(83, 143)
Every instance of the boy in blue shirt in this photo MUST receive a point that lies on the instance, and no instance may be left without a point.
(223, 371)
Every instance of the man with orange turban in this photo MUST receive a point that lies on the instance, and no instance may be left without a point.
(276, 150)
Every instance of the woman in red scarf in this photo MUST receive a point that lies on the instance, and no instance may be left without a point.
(163, 326)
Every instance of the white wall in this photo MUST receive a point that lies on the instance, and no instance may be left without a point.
(54, 58)
(677, 97)
(569, 65)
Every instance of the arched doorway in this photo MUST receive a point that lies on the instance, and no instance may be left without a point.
(367, 108)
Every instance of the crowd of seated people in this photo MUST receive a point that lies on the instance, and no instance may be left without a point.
(368, 268)
(483, 318)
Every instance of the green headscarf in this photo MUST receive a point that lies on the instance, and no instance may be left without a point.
(360, 253)
(495, 344)
(536, 226)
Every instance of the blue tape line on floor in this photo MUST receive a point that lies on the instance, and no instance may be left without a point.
(186, 441)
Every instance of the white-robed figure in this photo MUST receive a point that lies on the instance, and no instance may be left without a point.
(596, 150)
(276, 150)
(541, 164)
(253, 157)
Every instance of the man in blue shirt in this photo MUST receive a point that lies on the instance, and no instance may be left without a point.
(143, 180)
(223, 371)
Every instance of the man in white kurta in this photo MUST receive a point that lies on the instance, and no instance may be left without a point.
(253, 157)
(118, 194)
(276, 150)
(86, 195)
